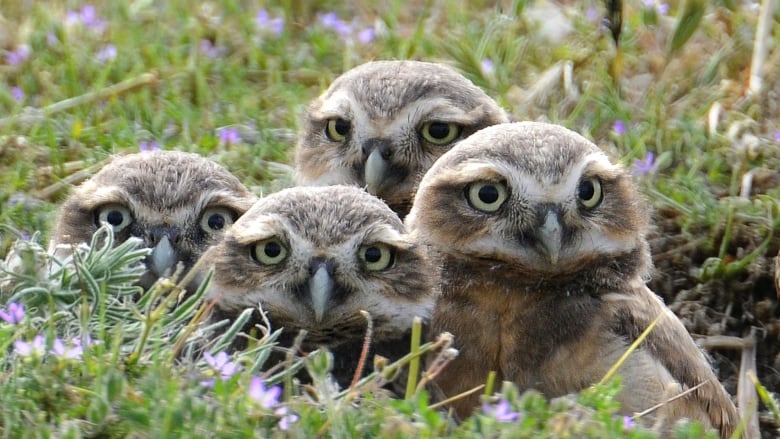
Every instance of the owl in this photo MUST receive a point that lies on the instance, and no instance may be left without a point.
(177, 203)
(382, 124)
(312, 258)
(541, 240)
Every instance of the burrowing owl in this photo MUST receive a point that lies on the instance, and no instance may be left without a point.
(544, 256)
(177, 203)
(381, 125)
(313, 258)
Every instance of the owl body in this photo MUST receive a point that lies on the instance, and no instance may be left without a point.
(177, 203)
(544, 261)
(382, 124)
(313, 258)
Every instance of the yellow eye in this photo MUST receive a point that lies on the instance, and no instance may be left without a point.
(440, 133)
(589, 192)
(116, 215)
(337, 129)
(486, 196)
(269, 252)
(377, 257)
(216, 219)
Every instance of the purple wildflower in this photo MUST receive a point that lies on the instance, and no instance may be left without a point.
(69, 353)
(333, 22)
(221, 364)
(268, 398)
(17, 93)
(366, 35)
(86, 16)
(145, 146)
(777, 136)
(52, 40)
(645, 165)
(18, 56)
(265, 22)
(661, 8)
(229, 136)
(208, 48)
(628, 423)
(14, 314)
(619, 127)
(36, 347)
(287, 418)
(501, 412)
(592, 15)
(487, 67)
(106, 54)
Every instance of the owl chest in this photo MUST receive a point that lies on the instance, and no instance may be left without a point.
(535, 339)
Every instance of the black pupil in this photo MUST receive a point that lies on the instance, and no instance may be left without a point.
(115, 217)
(439, 130)
(488, 194)
(373, 255)
(341, 126)
(272, 249)
(587, 191)
(216, 221)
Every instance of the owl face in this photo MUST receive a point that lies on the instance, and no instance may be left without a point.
(382, 125)
(314, 257)
(176, 203)
(536, 197)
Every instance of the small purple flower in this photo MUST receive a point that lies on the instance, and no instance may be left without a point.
(366, 35)
(208, 48)
(645, 165)
(265, 22)
(14, 313)
(268, 398)
(221, 364)
(661, 8)
(145, 146)
(329, 20)
(106, 54)
(619, 127)
(17, 93)
(487, 67)
(69, 353)
(287, 418)
(333, 22)
(86, 16)
(18, 56)
(592, 15)
(628, 423)
(501, 412)
(229, 136)
(51, 39)
(777, 136)
(36, 347)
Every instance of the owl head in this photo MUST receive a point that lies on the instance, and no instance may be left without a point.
(381, 125)
(313, 257)
(537, 199)
(177, 203)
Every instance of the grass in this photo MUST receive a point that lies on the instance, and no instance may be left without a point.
(181, 73)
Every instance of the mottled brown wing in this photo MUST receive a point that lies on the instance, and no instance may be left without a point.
(671, 344)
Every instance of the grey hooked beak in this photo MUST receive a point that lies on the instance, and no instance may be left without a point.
(550, 237)
(163, 256)
(320, 289)
(375, 171)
